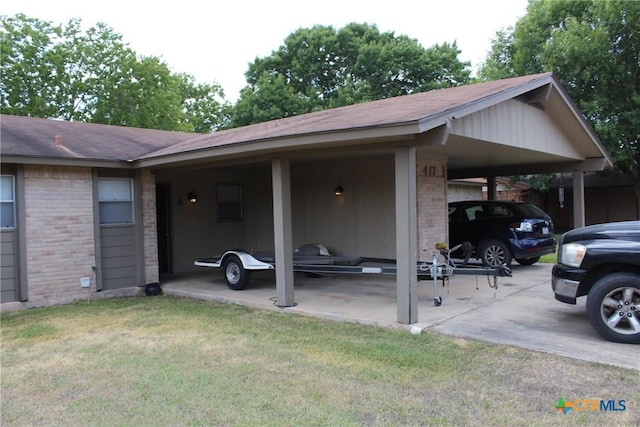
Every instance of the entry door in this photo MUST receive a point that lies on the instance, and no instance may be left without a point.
(118, 266)
(163, 223)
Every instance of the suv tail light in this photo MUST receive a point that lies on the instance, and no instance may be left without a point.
(523, 226)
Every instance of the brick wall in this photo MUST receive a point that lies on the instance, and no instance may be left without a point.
(149, 229)
(59, 234)
(432, 203)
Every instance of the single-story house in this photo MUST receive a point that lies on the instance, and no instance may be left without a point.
(130, 205)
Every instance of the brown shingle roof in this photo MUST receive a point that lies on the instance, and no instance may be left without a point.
(22, 136)
(384, 112)
(34, 137)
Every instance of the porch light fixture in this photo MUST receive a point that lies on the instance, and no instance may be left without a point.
(192, 197)
(338, 190)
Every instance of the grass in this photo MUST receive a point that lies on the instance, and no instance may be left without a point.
(551, 258)
(169, 361)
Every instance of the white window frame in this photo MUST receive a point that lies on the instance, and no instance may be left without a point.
(103, 202)
(12, 200)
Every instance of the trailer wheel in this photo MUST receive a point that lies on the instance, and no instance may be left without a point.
(235, 274)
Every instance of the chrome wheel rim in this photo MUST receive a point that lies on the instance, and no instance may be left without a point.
(233, 273)
(619, 310)
(495, 256)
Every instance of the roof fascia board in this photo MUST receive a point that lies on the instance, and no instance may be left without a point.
(330, 139)
(588, 165)
(56, 161)
(582, 121)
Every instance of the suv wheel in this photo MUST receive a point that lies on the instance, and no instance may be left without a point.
(613, 306)
(494, 253)
(528, 261)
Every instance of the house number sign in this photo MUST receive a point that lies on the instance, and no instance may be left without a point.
(434, 170)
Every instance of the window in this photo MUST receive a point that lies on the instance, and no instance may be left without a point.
(115, 197)
(7, 201)
(229, 197)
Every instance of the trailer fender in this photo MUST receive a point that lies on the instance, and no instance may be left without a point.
(249, 262)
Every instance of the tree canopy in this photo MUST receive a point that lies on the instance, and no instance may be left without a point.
(320, 67)
(593, 48)
(57, 71)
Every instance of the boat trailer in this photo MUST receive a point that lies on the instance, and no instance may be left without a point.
(315, 260)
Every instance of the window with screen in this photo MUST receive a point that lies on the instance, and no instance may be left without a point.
(7, 202)
(115, 197)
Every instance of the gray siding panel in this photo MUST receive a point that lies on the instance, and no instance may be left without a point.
(9, 263)
(117, 248)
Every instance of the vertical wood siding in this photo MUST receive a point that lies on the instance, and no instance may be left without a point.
(8, 269)
(118, 257)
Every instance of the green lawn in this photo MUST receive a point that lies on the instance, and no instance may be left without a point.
(163, 361)
(549, 258)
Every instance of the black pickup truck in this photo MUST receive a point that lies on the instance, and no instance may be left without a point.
(603, 262)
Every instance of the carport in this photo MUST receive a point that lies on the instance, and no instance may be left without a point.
(514, 126)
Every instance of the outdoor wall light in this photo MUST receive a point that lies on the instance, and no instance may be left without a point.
(192, 197)
(338, 190)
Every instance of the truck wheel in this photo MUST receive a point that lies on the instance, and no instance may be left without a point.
(494, 253)
(613, 306)
(235, 274)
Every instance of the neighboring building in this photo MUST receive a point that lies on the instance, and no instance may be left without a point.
(133, 204)
(607, 198)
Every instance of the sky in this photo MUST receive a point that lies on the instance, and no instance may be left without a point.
(215, 41)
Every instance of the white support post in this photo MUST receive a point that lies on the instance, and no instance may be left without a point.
(282, 229)
(406, 235)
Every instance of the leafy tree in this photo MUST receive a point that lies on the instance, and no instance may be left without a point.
(319, 68)
(61, 72)
(593, 48)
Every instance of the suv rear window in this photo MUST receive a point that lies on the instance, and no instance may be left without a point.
(484, 211)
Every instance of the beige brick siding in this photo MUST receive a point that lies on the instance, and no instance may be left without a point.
(460, 192)
(149, 228)
(432, 203)
(60, 247)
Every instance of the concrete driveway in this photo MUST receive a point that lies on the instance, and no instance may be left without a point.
(521, 311)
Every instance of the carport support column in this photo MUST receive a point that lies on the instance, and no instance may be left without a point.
(282, 229)
(491, 188)
(406, 235)
(578, 200)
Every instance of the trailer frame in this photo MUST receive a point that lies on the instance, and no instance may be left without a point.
(238, 266)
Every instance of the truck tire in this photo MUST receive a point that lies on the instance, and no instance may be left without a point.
(234, 273)
(613, 307)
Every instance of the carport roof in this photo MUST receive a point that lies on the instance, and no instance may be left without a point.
(398, 118)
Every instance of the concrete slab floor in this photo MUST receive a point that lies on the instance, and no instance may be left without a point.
(521, 311)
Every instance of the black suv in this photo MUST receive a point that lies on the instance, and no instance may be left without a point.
(603, 262)
(497, 231)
